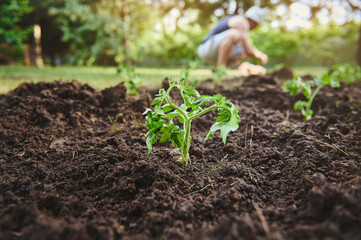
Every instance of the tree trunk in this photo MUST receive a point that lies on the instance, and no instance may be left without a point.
(37, 37)
(27, 57)
(358, 55)
(126, 42)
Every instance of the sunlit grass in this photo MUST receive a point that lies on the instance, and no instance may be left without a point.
(103, 77)
(313, 71)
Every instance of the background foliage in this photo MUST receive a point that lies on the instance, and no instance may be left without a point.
(166, 33)
(12, 35)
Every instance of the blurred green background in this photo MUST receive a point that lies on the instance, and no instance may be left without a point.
(87, 39)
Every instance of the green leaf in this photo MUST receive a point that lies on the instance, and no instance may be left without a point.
(177, 137)
(159, 98)
(218, 98)
(188, 100)
(170, 80)
(148, 110)
(223, 115)
(167, 108)
(172, 114)
(335, 84)
(318, 81)
(226, 121)
(166, 132)
(154, 124)
(300, 105)
(294, 85)
(189, 93)
(307, 89)
(326, 79)
(151, 139)
(307, 113)
(183, 76)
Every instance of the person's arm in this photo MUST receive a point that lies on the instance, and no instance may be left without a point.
(241, 24)
(252, 51)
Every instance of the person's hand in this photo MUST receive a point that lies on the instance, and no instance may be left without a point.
(263, 58)
(246, 69)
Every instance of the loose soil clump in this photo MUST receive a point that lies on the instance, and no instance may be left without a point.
(74, 165)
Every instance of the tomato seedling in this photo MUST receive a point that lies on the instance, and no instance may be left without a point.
(161, 120)
(130, 77)
(347, 72)
(296, 84)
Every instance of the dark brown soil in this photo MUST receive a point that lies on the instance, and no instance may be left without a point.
(283, 73)
(74, 165)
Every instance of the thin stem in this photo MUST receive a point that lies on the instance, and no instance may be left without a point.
(204, 111)
(187, 143)
(207, 110)
(184, 114)
(313, 96)
(186, 126)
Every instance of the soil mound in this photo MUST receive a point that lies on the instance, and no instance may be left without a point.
(74, 165)
(284, 73)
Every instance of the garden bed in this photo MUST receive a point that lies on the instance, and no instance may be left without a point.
(74, 165)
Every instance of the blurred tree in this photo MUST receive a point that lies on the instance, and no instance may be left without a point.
(352, 9)
(168, 32)
(53, 48)
(357, 7)
(12, 35)
(102, 31)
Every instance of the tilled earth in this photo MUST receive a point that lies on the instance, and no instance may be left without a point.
(74, 165)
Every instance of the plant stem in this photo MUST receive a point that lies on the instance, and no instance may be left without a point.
(313, 96)
(184, 114)
(187, 142)
(205, 111)
(186, 126)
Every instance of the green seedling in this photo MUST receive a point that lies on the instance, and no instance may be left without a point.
(200, 190)
(91, 148)
(219, 73)
(161, 121)
(287, 125)
(137, 123)
(49, 144)
(115, 129)
(130, 77)
(192, 65)
(296, 84)
(347, 72)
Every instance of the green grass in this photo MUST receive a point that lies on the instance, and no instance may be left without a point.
(313, 71)
(103, 77)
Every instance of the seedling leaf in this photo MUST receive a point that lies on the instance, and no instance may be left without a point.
(226, 122)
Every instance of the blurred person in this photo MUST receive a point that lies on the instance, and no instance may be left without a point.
(228, 42)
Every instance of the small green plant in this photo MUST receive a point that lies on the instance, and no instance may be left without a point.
(115, 129)
(137, 123)
(296, 84)
(192, 65)
(219, 73)
(286, 124)
(347, 72)
(130, 77)
(162, 119)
